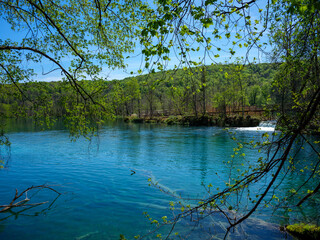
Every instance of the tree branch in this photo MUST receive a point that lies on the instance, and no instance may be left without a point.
(25, 201)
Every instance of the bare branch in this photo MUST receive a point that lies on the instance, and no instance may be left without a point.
(24, 202)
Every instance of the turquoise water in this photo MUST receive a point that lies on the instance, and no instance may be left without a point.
(101, 197)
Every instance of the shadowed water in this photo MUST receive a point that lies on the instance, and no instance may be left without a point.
(104, 183)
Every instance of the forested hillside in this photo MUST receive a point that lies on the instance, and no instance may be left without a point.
(193, 91)
(80, 39)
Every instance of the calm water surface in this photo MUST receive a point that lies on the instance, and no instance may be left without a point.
(101, 198)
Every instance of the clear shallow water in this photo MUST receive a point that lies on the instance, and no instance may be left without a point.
(101, 199)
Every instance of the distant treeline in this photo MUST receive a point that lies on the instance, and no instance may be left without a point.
(195, 91)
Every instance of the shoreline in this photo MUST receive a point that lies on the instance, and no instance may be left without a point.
(236, 121)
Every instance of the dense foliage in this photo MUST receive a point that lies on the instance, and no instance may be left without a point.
(218, 87)
(98, 33)
(76, 38)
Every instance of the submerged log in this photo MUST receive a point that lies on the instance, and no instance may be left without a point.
(15, 202)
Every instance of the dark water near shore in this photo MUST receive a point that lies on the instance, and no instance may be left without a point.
(101, 197)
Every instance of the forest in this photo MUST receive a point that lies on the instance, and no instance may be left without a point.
(181, 92)
(273, 51)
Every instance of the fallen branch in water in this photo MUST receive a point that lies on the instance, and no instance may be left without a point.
(22, 203)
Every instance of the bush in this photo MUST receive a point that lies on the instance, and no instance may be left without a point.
(304, 231)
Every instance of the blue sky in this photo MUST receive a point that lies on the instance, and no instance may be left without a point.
(135, 60)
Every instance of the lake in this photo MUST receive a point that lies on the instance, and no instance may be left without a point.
(104, 183)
